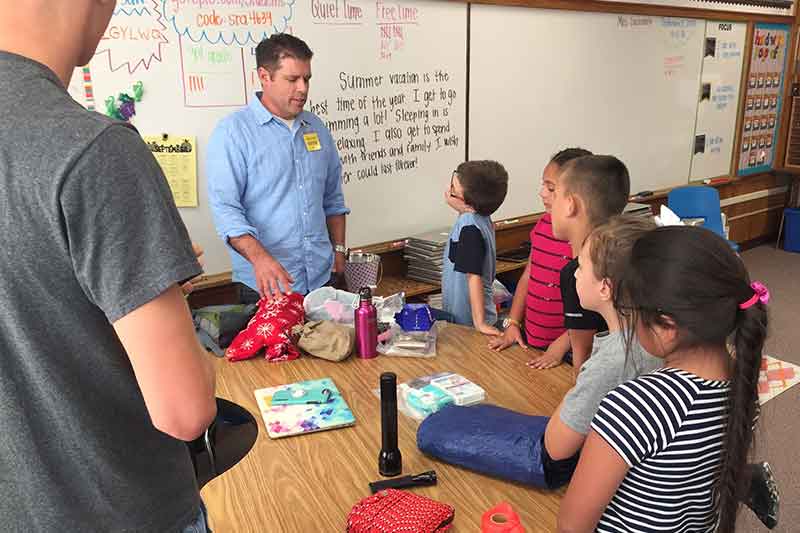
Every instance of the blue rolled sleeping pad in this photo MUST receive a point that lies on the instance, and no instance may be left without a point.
(488, 439)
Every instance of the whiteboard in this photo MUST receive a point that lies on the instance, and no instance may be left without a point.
(390, 78)
(625, 85)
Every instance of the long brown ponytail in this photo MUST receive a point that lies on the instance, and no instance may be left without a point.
(692, 276)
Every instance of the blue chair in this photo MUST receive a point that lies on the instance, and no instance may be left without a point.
(699, 202)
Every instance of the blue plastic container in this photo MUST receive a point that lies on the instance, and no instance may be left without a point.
(791, 229)
(414, 317)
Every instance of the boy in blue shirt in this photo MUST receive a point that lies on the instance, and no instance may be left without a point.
(477, 189)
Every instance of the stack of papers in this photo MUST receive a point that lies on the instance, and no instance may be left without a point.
(425, 254)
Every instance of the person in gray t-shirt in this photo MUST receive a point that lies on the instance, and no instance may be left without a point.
(101, 375)
(600, 268)
(607, 367)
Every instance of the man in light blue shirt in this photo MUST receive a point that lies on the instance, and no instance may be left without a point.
(274, 181)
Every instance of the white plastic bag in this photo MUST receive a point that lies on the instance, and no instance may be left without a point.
(395, 341)
(390, 305)
(327, 303)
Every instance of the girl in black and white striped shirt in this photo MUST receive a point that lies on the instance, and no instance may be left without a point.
(667, 450)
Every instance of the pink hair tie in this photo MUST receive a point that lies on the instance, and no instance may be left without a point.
(760, 293)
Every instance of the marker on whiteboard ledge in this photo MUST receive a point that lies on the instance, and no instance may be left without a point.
(717, 181)
(508, 222)
(643, 194)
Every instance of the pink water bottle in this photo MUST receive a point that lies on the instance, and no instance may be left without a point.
(366, 322)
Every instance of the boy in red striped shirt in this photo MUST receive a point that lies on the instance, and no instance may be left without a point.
(537, 312)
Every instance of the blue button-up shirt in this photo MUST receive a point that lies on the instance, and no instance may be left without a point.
(264, 182)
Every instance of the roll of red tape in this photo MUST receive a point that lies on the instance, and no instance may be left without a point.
(501, 519)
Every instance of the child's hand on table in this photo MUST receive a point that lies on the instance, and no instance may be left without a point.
(549, 359)
(486, 329)
(509, 337)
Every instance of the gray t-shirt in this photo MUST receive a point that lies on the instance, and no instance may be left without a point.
(88, 233)
(607, 368)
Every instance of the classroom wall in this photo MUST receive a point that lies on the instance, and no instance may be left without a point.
(396, 110)
(391, 80)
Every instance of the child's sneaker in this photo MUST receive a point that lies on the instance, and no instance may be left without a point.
(764, 497)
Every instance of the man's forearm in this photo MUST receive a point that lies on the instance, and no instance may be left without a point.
(249, 247)
(336, 228)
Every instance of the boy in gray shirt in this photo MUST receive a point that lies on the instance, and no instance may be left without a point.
(600, 267)
(609, 365)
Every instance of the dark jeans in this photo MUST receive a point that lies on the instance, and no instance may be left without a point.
(557, 472)
(200, 523)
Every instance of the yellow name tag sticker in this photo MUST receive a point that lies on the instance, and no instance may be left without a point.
(312, 142)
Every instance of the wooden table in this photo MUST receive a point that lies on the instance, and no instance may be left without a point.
(308, 483)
